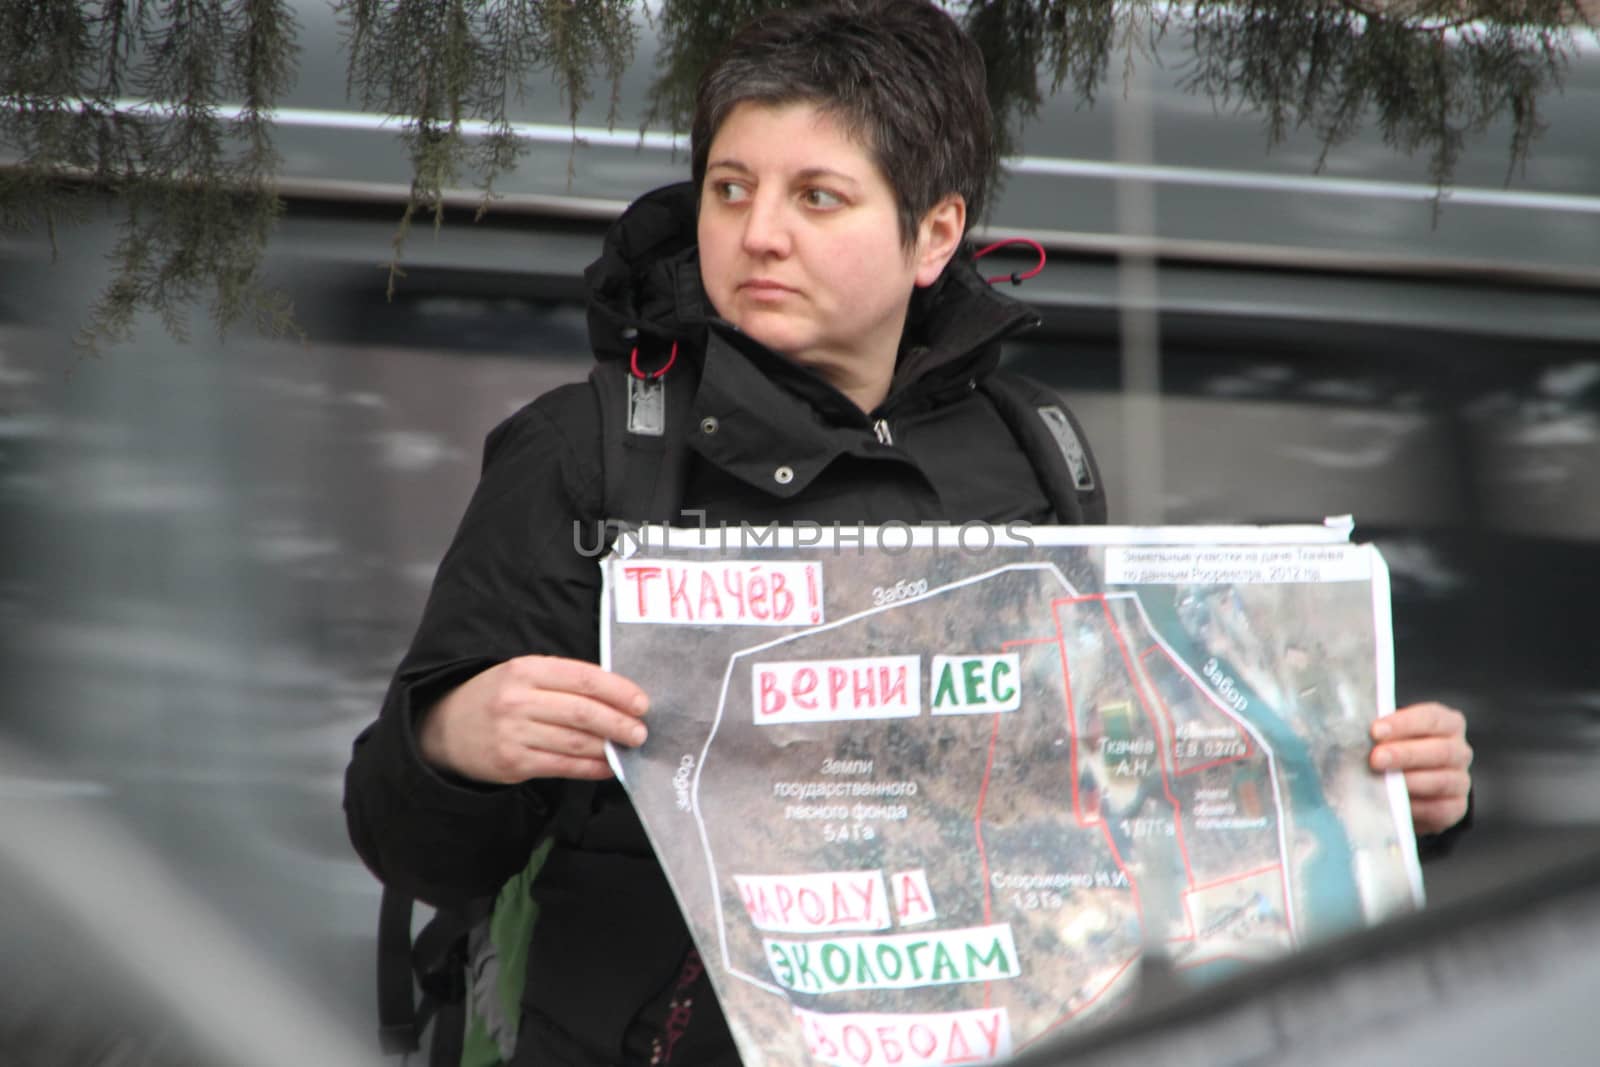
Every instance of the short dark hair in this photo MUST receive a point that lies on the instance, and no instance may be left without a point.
(901, 77)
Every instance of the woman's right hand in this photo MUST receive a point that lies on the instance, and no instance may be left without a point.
(533, 717)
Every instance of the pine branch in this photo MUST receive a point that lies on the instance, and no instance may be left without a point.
(439, 64)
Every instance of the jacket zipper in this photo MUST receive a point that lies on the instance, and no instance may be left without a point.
(881, 428)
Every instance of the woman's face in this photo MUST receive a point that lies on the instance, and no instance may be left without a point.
(800, 242)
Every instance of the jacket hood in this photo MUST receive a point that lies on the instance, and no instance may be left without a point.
(646, 287)
(646, 284)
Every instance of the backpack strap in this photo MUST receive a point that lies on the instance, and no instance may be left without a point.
(1055, 444)
(400, 1024)
(433, 961)
(644, 426)
(644, 434)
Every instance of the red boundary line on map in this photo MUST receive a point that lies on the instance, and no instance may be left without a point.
(1163, 752)
(1081, 1008)
(1077, 809)
(1249, 744)
(1072, 711)
(1275, 868)
(1236, 878)
(1072, 727)
(1280, 867)
(977, 834)
(1158, 716)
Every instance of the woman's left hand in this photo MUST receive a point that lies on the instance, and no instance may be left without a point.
(1429, 743)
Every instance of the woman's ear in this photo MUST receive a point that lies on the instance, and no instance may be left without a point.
(938, 236)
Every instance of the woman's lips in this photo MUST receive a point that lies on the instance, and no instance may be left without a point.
(765, 287)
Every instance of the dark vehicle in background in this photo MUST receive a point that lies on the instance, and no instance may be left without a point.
(1265, 304)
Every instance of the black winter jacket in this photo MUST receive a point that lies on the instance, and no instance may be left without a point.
(515, 582)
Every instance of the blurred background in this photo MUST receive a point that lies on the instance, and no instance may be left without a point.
(1305, 258)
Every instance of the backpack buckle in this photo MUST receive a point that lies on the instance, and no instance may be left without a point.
(1072, 449)
(647, 406)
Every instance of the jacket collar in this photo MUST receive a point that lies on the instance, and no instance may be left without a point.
(762, 430)
(776, 425)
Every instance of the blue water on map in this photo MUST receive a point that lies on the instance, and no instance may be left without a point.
(1327, 881)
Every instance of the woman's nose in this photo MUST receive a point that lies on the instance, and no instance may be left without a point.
(766, 228)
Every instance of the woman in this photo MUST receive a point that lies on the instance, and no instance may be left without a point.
(814, 277)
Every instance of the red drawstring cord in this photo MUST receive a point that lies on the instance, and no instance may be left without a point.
(1016, 279)
(633, 363)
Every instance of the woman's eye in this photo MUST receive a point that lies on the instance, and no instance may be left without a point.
(822, 198)
(730, 192)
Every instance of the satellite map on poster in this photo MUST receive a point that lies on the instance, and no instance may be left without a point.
(926, 796)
